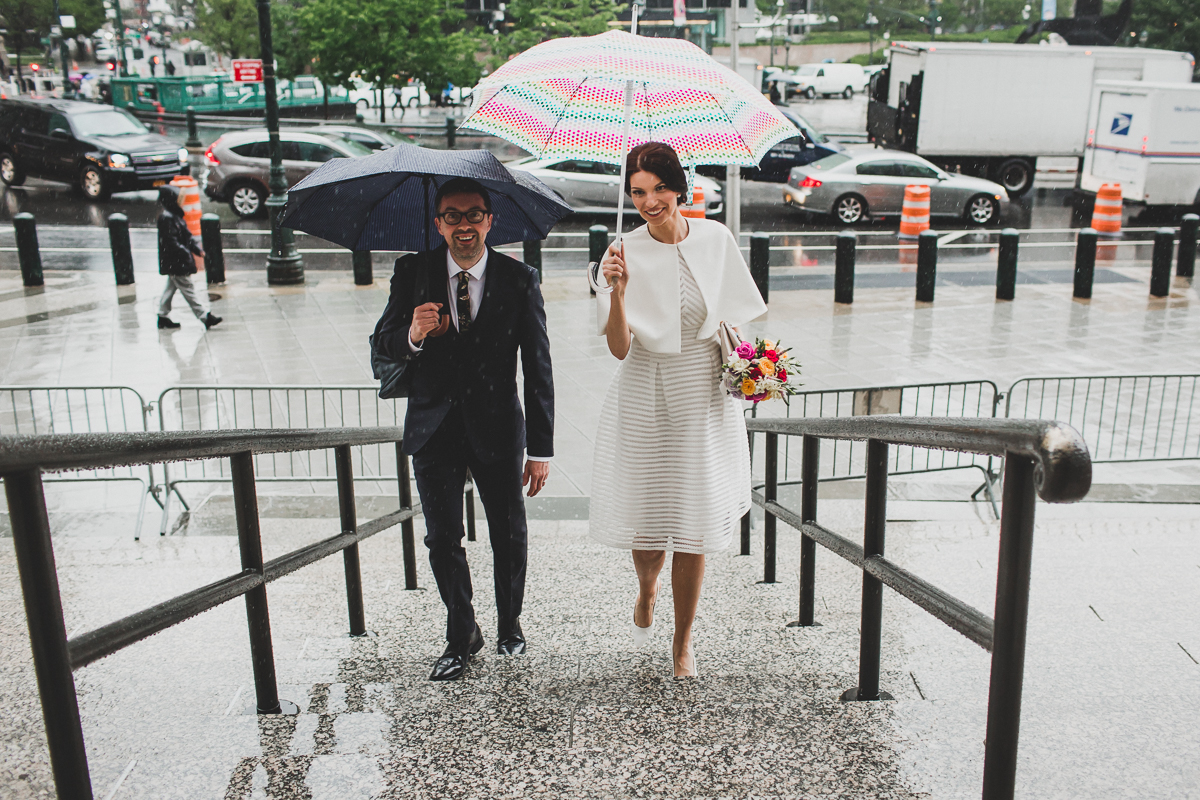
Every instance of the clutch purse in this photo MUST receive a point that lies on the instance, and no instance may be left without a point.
(728, 339)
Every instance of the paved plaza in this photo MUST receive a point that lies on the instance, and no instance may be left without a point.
(1112, 679)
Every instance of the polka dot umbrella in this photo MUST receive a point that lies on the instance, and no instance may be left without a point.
(593, 98)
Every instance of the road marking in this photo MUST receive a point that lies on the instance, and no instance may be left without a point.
(952, 237)
(128, 769)
(233, 702)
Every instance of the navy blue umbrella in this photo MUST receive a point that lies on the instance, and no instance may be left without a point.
(385, 201)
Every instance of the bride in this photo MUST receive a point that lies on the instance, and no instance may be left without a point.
(672, 465)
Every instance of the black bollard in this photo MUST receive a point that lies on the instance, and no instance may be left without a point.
(1160, 262)
(25, 228)
(597, 244)
(122, 253)
(927, 252)
(193, 136)
(1006, 265)
(533, 256)
(451, 130)
(1085, 263)
(760, 263)
(843, 276)
(214, 252)
(1186, 264)
(363, 276)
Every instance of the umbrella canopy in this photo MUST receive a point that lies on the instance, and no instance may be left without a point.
(385, 201)
(565, 98)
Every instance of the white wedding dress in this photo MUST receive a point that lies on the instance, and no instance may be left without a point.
(672, 465)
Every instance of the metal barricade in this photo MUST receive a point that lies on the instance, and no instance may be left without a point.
(1123, 418)
(27, 410)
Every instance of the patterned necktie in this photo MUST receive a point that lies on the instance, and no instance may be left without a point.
(464, 303)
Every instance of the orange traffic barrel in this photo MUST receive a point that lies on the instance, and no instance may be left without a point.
(914, 217)
(1106, 218)
(189, 201)
(696, 208)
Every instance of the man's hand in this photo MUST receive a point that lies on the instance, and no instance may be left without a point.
(535, 475)
(426, 319)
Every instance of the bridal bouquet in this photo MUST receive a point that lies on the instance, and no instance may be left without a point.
(760, 371)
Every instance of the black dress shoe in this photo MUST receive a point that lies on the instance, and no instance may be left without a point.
(167, 324)
(453, 663)
(511, 644)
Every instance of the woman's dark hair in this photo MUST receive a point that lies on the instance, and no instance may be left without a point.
(659, 159)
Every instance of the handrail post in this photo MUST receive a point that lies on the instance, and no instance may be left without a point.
(258, 619)
(345, 485)
(772, 495)
(406, 527)
(1012, 614)
(871, 626)
(47, 634)
(808, 513)
(747, 520)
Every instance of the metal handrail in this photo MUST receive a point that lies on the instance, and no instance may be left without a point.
(1041, 457)
(24, 458)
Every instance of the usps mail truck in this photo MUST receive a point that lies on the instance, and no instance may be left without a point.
(1145, 136)
(993, 110)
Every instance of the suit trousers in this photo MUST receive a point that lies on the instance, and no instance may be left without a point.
(196, 297)
(441, 468)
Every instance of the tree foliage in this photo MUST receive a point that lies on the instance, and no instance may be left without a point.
(386, 42)
(228, 26)
(535, 21)
(27, 22)
(1167, 24)
(89, 15)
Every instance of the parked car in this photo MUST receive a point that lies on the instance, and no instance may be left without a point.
(97, 148)
(830, 79)
(239, 165)
(811, 145)
(593, 187)
(366, 96)
(372, 138)
(854, 186)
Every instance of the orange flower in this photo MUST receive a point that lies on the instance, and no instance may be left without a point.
(767, 366)
(768, 344)
(747, 387)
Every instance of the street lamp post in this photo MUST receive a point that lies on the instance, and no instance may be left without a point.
(284, 265)
(63, 54)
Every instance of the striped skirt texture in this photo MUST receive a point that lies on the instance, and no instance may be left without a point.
(672, 466)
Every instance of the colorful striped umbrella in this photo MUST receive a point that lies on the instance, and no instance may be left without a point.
(565, 98)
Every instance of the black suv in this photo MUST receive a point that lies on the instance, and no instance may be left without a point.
(98, 148)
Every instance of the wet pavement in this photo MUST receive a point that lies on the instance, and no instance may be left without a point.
(1112, 678)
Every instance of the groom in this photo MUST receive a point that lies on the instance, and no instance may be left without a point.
(457, 316)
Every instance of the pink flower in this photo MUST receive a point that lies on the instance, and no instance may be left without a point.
(757, 397)
(745, 350)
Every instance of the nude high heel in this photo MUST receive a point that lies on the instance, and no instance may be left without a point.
(643, 635)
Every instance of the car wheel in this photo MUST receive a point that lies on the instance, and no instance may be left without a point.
(1016, 176)
(362, 105)
(248, 200)
(9, 172)
(982, 210)
(850, 209)
(91, 183)
(810, 93)
(412, 102)
(847, 93)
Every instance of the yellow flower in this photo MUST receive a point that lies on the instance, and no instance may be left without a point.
(766, 366)
(747, 387)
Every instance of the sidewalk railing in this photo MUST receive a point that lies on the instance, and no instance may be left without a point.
(23, 459)
(82, 409)
(1041, 458)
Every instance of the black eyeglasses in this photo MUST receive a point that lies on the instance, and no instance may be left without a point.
(474, 216)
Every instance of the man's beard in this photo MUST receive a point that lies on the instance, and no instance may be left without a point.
(467, 251)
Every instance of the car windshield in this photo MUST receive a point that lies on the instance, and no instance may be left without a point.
(804, 125)
(355, 148)
(107, 123)
(829, 162)
(807, 69)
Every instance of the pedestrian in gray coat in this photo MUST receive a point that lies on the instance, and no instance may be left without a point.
(176, 248)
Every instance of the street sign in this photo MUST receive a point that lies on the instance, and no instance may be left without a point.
(680, 16)
(247, 70)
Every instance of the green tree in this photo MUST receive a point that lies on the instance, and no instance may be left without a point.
(228, 26)
(89, 15)
(27, 21)
(535, 21)
(292, 54)
(1166, 24)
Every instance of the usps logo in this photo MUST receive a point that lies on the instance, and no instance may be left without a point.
(1121, 123)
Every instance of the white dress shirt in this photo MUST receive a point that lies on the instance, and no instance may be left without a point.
(474, 291)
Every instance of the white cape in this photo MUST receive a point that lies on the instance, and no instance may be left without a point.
(652, 294)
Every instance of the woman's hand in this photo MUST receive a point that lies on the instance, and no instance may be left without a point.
(613, 269)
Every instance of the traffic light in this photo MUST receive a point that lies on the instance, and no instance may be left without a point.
(111, 64)
(34, 67)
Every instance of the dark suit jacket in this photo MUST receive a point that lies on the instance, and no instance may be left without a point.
(476, 371)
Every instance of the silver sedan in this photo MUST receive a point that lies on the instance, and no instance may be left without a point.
(853, 186)
(593, 187)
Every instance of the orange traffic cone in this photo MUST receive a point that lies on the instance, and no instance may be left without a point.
(914, 217)
(1106, 217)
(696, 209)
(189, 201)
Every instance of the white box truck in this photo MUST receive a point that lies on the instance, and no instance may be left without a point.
(1146, 136)
(992, 110)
